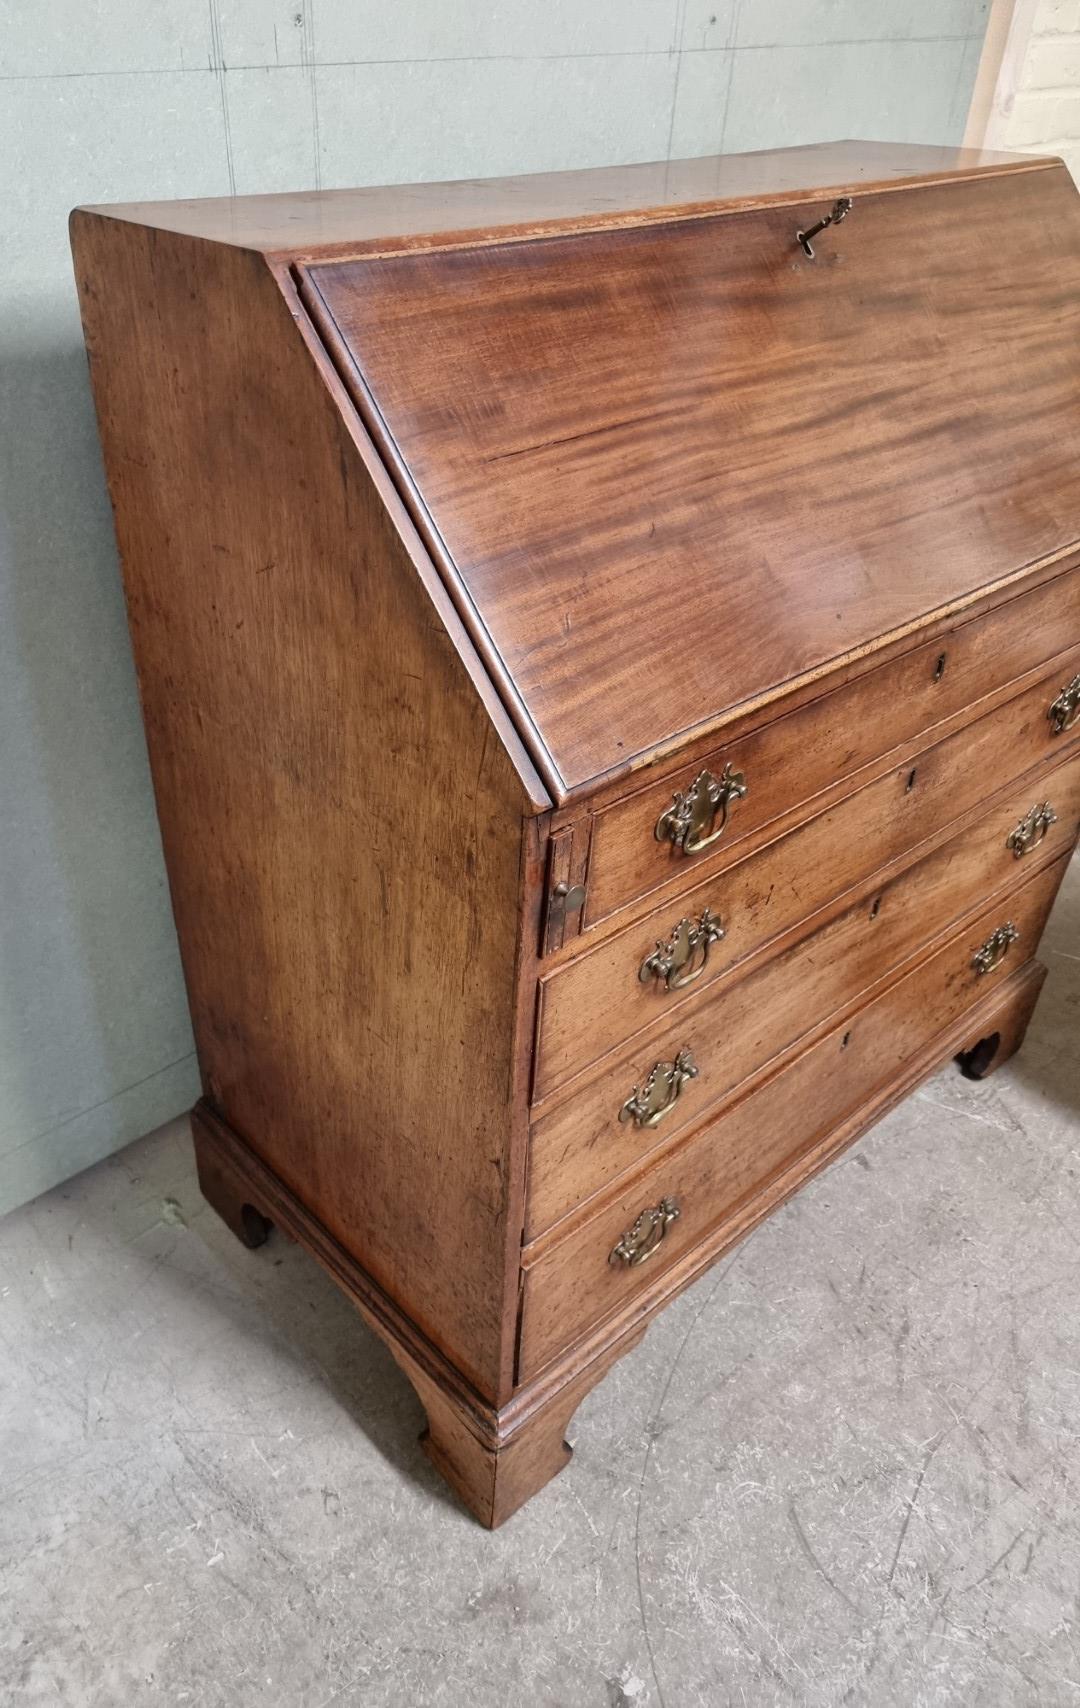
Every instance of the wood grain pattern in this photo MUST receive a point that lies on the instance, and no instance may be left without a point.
(996, 1040)
(384, 218)
(801, 458)
(734, 1029)
(322, 797)
(824, 743)
(571, 1283)
(469, 1436)
(496, 1457)
(1005, 1010)
(446, 510)
(791, 878)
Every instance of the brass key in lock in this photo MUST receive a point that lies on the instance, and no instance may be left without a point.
(839, 211)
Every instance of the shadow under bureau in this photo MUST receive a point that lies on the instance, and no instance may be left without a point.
(609, 646)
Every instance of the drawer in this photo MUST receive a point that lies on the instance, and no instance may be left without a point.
(580, 1280)
(797, 756)
(732, 1031)
(597, 1000)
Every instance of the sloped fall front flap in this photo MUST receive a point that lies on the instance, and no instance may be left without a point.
(679, 465)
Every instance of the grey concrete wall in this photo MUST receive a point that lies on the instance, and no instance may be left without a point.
(127, 99)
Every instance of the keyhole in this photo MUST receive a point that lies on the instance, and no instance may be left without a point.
(876, 909)
(939, 668)
(845, 1040)
(911, 780)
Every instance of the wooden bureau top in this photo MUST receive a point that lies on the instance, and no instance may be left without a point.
(392, 216)
(669, 465)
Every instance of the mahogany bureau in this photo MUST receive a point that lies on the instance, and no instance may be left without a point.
(610, 653)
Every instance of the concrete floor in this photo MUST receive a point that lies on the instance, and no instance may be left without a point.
(842, 1469)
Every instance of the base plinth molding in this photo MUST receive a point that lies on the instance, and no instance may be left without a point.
(497, 1456)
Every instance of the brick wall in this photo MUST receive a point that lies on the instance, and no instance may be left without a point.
(1044, 117)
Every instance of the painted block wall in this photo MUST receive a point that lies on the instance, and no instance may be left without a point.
(133, 99)
(1045, 110)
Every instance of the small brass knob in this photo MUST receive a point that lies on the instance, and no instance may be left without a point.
(572, 896)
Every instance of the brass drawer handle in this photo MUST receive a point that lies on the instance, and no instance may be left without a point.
(1065, 710)
(639, 1242)
(647, 1104)
(1031, 830)
(689, 821)
(995, 949)
(684, 957)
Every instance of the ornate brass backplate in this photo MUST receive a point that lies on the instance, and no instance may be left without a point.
(995, 949)
(647, 1104)
(639, 1242)
(1065, 710)
(1031, 830)
(690, 822)
(684, 956)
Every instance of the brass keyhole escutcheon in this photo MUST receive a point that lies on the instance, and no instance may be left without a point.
(647, 1104)
(639, 1242)
(1065, 710)
(1031, 830)
(995, 949)
(685, 955)
(690, 823)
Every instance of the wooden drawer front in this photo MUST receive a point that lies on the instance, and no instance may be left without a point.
(573, 1283)
(797, 756)
(580, 1145)
(597, 1000)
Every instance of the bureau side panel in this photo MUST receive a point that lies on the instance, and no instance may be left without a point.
(342, 824)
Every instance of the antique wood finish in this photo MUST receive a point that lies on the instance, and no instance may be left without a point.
(262, 575)
(999, 1019)
(578, 1145)
(494, 1457)
(803, 480)
(381, 219)
(463, 527)
(823, 744)
(759, 897)
(573, 1283)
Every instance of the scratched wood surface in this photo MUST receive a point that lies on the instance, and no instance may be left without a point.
(678, 469)
(331, 805)
(680, 474)
(573, 1283)
(577, 1144)
(793, 876)
(791, 759)
(380, 218)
